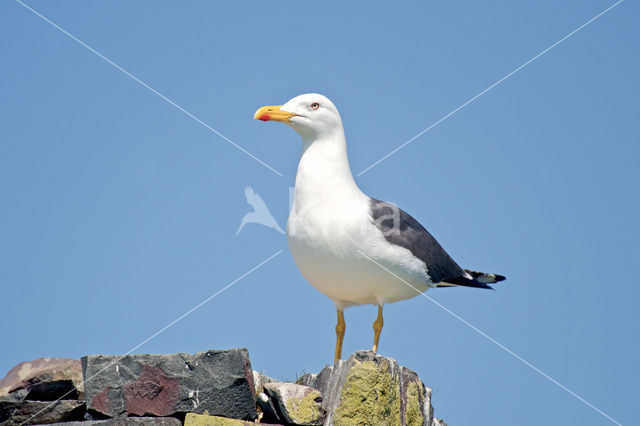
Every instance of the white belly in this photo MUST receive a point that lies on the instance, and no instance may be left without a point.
(332, 247)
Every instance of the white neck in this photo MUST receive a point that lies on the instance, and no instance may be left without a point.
(326, 199)
(323, 170)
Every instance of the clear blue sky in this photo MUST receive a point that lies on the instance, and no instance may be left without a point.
(119, 212)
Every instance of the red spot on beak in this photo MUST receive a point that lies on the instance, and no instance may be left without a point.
(265, 117)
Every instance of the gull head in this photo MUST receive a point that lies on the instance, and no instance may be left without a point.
(312, 115)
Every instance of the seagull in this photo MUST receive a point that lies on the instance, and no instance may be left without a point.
(355, 249)
(260, 213)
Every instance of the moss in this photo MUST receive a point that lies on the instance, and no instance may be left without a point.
(413, 411)
(370, 396)
(307, 409)
(204, 420)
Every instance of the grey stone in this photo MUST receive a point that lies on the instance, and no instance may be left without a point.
(370, 389)
(127, 421)
(40, 412)
(219, 382)
(269, 412)
(438, 422)
(15, 396)
(297, 404)
(51, 391)
(259, 381)
(41, 370)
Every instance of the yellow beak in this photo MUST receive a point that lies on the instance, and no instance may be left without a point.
(268, 113)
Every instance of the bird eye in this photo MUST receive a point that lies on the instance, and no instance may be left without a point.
(315, 105)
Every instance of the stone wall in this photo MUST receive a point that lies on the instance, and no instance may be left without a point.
(210, 388)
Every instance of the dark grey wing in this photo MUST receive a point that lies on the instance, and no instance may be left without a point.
(398, 227)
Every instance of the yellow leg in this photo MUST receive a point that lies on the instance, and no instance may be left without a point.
(377, 328)
(340, 328)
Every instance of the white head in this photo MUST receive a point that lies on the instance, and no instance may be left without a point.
(312, 115)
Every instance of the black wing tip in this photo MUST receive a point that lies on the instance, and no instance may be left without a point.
(485, 287)
(465, 282)
(485, 277)
(477, 280)
(475, 285)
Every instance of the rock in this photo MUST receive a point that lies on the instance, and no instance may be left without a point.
(204, 420)
(259, 381)
(128, 421)
(219, 382)
(143, 421)
(297, 404)
(369, 389)
(40, 412)
(267, 409)
(51, 391)
(438, 422)
(41, 370)
(15, 396)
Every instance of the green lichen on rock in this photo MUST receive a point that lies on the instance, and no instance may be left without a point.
(306, 410)
(413, 410)
(193, 419)
(370, 396)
